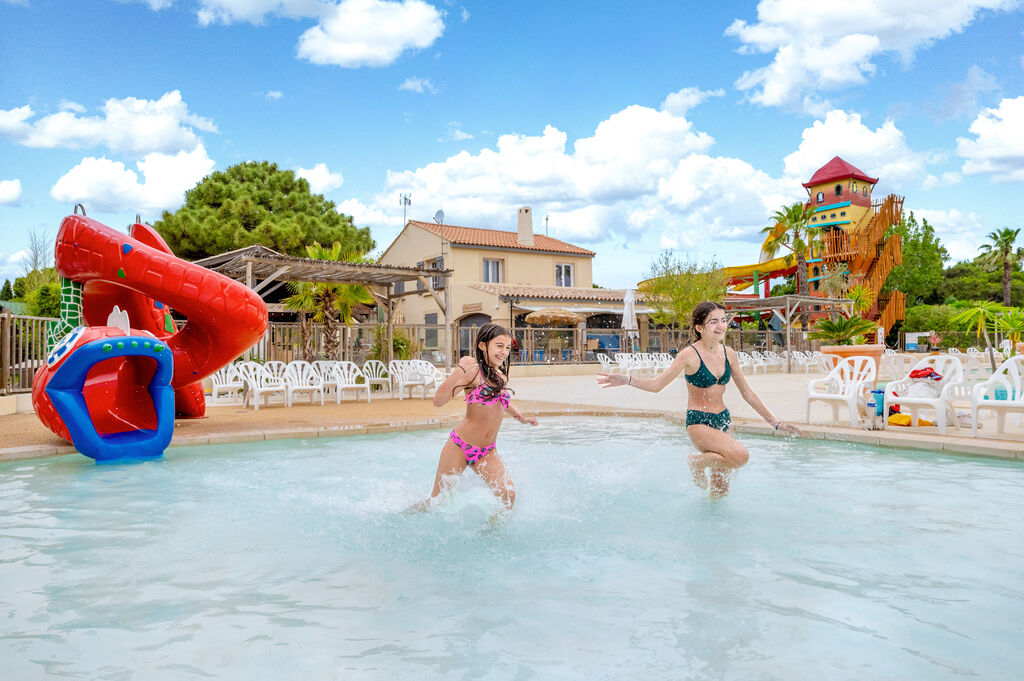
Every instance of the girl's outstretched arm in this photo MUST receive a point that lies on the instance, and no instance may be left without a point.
(753, 399)
(651, 385)
(462, 376)
(519, 417)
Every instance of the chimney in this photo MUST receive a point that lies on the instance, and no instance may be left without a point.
(525, 226)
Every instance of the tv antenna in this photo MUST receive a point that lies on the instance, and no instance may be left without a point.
(406, 201)
(439, 217)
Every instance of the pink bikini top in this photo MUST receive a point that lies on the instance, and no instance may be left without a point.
(485, 394)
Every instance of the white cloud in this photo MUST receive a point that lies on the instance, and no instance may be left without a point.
(960, 232)
(628, 180)
(945, 180)
(130, 125)
(17, 256)
(828, 46)
(358, 33)
(254, 11)
(420, 85)
(681, 101)
(882, 152)
(962, 97)
(273, 95)
(465, 15)
(68, 105)
(10, 192)
(104, 185)
(321, 179)
(998, 144)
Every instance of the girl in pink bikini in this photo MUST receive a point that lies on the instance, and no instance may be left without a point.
(472, 443)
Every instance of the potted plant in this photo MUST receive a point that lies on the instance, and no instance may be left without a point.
(846, 335)
(933, 342)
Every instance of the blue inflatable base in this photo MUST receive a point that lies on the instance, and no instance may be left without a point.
(65, 390)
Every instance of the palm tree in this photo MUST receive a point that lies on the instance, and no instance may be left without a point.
(863, 298)
(326, 302)
(1002, 253)
(981, 317)
(791, 228)
(1012, 322)
(841, 331)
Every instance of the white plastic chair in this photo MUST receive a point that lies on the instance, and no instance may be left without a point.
(345, 376)
(606, 364)
(325, 367)
(376, 373)
(434, 376)
(952, 372)
(301, 377)
(226, 380)
(846, 384)
(403, 378)
(754, 363)
(1008, 378)
(260, 381)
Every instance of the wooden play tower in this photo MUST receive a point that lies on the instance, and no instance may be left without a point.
(857, 235)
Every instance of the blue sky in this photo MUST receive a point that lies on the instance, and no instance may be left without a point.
(633, 128)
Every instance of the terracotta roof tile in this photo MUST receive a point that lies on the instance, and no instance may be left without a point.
(838, 169)
(556, 292)
(475, 236)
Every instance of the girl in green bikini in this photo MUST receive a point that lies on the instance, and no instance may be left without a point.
(707, 366)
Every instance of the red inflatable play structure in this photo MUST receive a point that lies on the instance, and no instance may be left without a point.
(113, 389)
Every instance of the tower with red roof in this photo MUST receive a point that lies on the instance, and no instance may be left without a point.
(856, 234)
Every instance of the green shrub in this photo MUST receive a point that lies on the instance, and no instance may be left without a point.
(930, 318)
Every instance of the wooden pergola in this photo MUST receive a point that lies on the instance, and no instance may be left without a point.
(265, 270)
(789, 307)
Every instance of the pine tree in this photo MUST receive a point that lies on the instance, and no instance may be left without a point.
(257, 203)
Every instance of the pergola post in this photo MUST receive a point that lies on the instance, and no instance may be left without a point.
(391, 325)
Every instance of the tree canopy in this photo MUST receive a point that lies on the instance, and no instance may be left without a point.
(923, 256)
(256, 203)
(675, 287)
(7, 292)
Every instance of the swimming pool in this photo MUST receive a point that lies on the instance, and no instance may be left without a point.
(293, 559)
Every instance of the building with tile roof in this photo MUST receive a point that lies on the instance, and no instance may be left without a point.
(499, 275)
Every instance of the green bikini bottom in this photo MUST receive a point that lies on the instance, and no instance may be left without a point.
(720, 421)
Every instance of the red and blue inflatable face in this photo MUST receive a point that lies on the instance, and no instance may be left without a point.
(108, 392)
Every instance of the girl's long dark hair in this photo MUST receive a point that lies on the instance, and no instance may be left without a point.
(485, 335)
(700, 315)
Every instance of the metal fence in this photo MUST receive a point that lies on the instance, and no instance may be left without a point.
(23, 344)
(22, 351)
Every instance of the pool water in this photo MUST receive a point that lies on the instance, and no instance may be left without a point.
(293, 559)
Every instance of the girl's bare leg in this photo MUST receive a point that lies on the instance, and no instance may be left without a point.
(492, 471)
(718, 451)
(449, 466)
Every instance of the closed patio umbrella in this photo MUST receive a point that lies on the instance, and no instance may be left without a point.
(629, 322)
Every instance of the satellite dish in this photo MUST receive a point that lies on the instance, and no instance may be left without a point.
(439, 217)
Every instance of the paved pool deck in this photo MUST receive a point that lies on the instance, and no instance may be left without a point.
(23, 436)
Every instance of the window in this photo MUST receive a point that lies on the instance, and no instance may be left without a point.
(435, 264)
(399, 287)
(842, 214)
(853, 187)
(821, 197)
(430, 335)
(816, 274)
(832, 215)
(563, 275)
(492, 271)
(438, 264)
(865, 190)
(839, 190)
(814, 219)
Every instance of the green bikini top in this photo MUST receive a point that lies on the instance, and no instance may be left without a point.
(703, 378)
